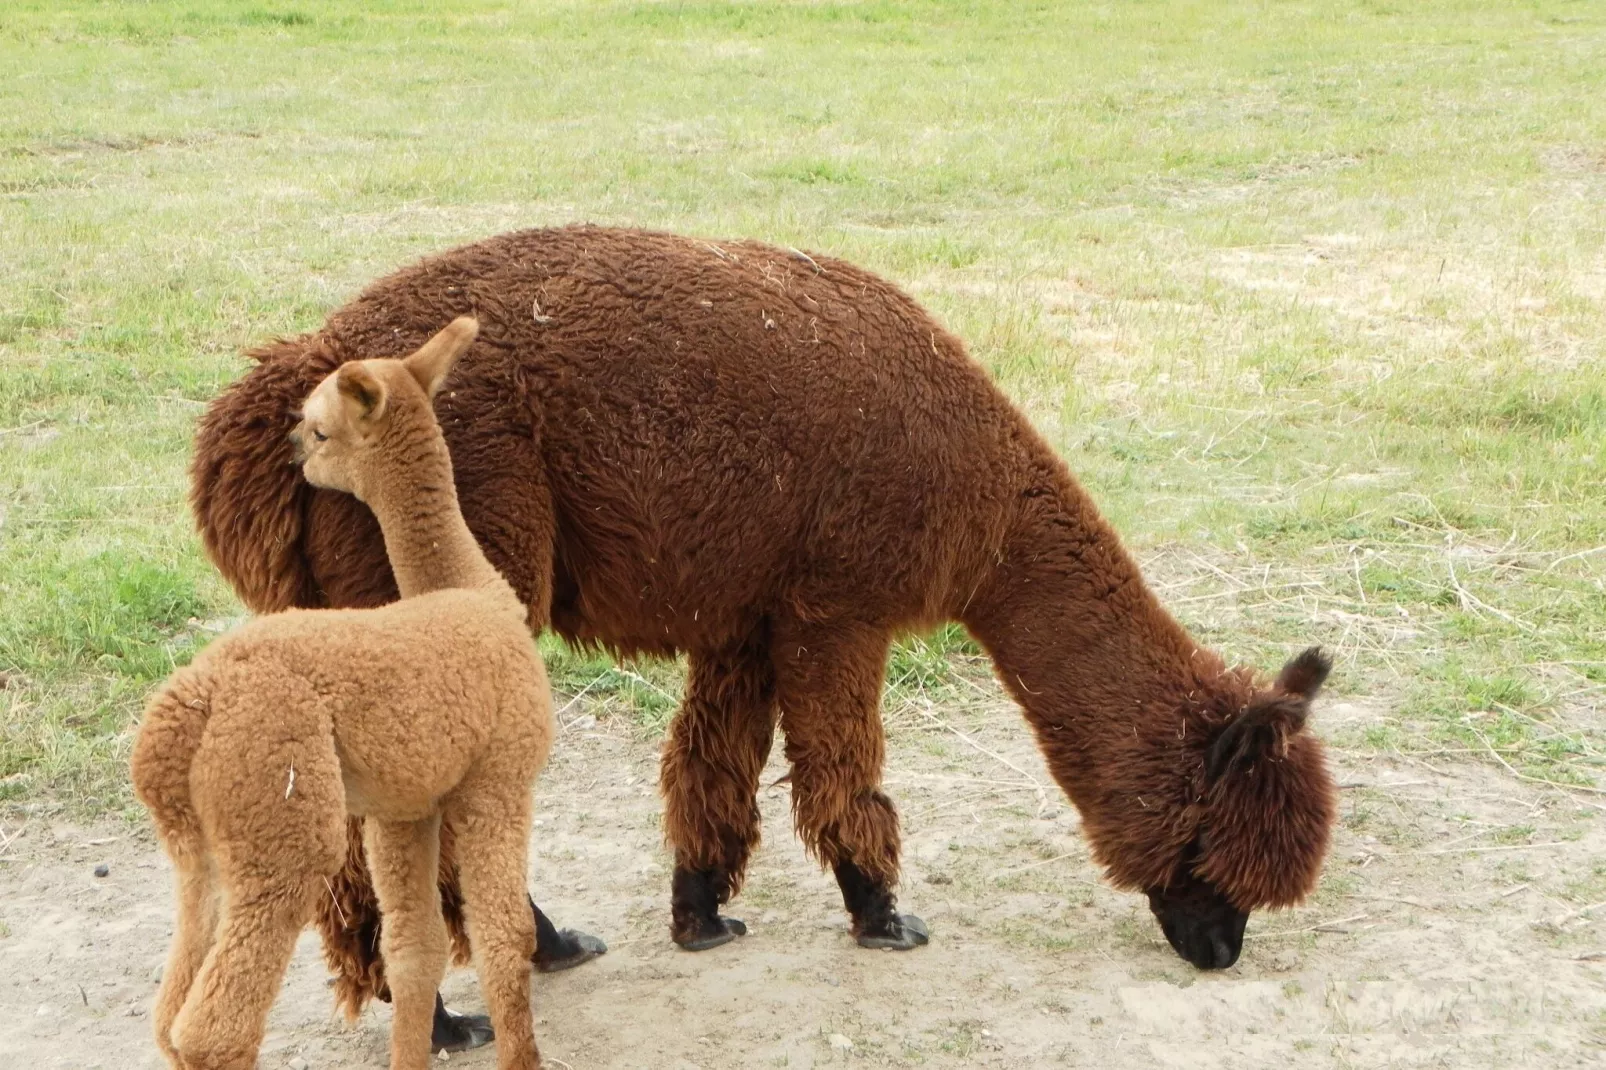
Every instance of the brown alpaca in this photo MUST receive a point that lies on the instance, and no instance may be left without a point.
(434, 707)
(776, 462)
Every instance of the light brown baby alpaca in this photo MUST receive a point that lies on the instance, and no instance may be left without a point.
(250, 758)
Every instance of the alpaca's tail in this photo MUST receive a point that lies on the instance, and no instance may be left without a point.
(248, 497)
(169, 735)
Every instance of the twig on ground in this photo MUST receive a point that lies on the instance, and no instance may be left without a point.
(1333, 926)
(1571, 557)
(7, 841)
(1042, 796)
(1471, 602)
(1532, 779)
(1490, 748)
(1490, 850)
(1001, 874)
(1573, 915)
(577, 697)
(1395, 899)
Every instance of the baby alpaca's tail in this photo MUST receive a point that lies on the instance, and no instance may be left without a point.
(169, 735)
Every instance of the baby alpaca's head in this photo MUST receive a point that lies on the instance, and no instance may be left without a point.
(366, 406)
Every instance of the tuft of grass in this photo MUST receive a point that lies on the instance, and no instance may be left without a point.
(1316, 312)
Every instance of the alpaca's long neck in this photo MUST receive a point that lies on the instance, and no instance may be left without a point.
(1078, 638)
(415, 499)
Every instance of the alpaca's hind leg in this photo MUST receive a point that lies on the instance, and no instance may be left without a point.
(348, 920)
(556, 949)
(196, 929)
(828, 684)
(404, 858)
(491, 816)
(221, 1024)
(718, 743)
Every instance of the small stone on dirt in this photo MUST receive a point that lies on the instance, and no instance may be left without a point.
(103, 870)
(840, 1042)
(939, 878)
(43, 1011)
(1285, 960)
(298, 1063)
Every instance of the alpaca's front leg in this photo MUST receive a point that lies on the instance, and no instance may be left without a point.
(828, 685)
(715, 754)
(403, 857)
(558, 949)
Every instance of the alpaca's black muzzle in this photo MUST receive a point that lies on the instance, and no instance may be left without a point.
(1199, 922)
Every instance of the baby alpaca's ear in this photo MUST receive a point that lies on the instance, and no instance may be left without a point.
(361, 392)
(434, 359)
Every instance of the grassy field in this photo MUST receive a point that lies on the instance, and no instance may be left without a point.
(1312, 295)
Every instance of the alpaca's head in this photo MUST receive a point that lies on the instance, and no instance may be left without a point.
(1265, 809)
(367, 407)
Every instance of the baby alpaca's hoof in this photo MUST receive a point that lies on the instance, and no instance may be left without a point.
(902, 933)
(573, 948)
(721, 931)
(459, 1032)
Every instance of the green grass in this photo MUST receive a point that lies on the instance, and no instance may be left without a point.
(1312, 295)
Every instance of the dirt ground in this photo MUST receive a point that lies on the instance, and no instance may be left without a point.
(1451, 930)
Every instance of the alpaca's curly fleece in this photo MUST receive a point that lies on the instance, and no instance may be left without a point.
(772, 461)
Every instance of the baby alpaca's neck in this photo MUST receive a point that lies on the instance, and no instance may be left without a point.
(415, 499)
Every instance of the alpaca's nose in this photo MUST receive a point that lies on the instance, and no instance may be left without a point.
(1224, 951)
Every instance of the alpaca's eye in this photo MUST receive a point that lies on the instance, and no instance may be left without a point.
(319, 436)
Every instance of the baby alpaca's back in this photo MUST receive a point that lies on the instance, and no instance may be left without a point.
(413, 692)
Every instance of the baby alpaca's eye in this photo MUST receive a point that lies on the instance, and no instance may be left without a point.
(319, 436)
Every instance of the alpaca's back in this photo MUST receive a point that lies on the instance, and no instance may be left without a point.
(701, 434)
(722, 428)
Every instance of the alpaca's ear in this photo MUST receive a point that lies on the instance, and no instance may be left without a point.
(1265, 725)
(1262, 729)
(434, 359)
(361, 391)
(1305, 674)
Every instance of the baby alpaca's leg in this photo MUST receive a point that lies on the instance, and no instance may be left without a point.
(197, 926)
(274, 816)
(404, 857)
(221, 1023)
(492, 817)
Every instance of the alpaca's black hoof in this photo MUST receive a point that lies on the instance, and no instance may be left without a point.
(569, 950)
(721, 931)
(459, 1032)
(902, 933)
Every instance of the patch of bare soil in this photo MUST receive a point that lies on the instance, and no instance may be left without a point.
(1452, 929)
